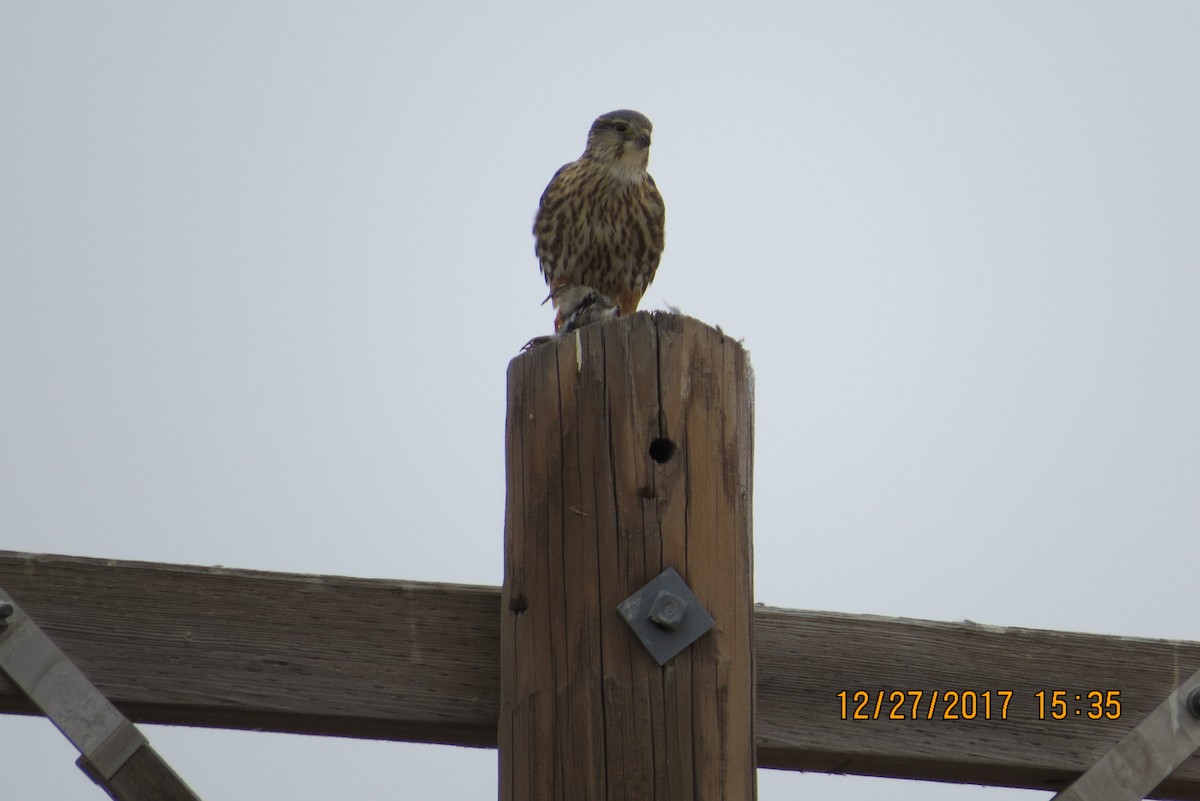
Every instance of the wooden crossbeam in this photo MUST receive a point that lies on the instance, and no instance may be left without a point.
(420, 662)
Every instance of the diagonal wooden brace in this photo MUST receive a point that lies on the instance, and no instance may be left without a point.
(1147, 755)
(105, 737)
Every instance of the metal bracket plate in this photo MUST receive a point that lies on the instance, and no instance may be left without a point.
(102, 734)
(666, 616)
(1147, 755)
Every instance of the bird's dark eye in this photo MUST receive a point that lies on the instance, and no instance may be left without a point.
(620, 127)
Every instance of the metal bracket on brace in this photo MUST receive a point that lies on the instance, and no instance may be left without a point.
(1148, 754)
(103, 735)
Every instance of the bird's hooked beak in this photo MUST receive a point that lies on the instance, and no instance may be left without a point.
(643, 140)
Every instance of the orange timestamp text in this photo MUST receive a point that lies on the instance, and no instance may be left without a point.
(976, 704)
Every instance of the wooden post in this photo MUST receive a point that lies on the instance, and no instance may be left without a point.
(145, 777)
(629, 449)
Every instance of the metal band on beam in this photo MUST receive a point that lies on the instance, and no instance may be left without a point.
(52, 681)
(1148, 754)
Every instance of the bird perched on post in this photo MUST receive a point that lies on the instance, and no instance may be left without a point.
(599, 225)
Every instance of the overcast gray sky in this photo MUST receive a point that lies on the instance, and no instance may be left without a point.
(263, 265)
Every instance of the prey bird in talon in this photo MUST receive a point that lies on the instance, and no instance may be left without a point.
(599, 225)
(575, 306)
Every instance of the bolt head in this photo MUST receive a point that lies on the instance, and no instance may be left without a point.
(668, 610)
(1193, 702)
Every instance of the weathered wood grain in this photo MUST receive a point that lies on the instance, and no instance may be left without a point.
(806, 658)
(421, 662)
(586, 713)
(254, 650)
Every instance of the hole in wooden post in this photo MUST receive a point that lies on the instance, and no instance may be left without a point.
(661, 450)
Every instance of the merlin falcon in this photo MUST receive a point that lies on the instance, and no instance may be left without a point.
(599, 225)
